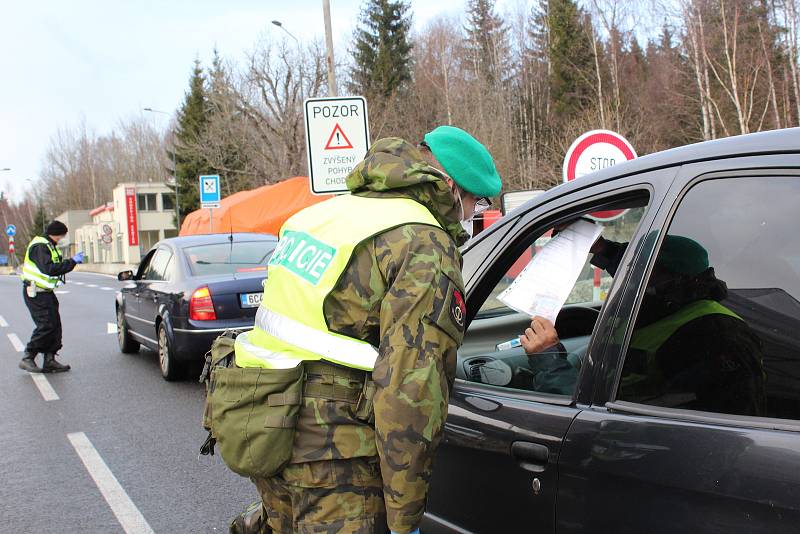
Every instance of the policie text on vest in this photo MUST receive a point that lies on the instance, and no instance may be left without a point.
(303, 255)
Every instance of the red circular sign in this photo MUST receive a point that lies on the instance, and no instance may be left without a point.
(593, 151)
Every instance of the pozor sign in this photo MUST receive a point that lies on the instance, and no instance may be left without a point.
(337, 137)
(593, 151)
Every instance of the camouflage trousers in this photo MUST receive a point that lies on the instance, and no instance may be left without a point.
(330, 496)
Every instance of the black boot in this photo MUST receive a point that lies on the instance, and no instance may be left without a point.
(28, 363)
(52, 366)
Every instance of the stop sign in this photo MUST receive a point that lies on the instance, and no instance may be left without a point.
(593, 151)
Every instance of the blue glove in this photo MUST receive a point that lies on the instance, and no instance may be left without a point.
(412, 532)
(78, 258)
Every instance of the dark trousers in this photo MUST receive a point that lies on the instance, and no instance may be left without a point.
(46, 337)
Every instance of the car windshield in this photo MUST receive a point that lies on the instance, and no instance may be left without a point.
(227, 258)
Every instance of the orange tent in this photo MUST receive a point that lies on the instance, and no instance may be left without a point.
(262, 210)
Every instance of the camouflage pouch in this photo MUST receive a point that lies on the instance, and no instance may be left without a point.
(365, 407)
(221, 354)
(253, 417)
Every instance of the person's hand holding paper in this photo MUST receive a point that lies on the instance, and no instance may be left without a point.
(542, 288)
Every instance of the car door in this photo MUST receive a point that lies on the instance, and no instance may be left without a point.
(156, 288)
(131, 295)
(496, 469)
(719, 451)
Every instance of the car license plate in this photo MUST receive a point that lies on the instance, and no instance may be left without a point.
(251, 300)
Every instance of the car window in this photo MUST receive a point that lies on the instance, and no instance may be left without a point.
(158, 266)
(717, 328)
(593, 282)
(229, 258)
(144, 266)
(170, 269)
(491, 353)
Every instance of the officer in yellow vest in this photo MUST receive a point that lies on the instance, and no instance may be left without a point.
(365, 291)
(684, 339)
(42, 271)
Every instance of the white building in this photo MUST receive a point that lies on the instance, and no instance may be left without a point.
(123, 230)
(74, 219)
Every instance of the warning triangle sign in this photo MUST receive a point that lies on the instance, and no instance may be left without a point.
(338, 139)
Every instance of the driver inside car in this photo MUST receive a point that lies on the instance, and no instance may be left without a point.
(552, 369)
(687, 349)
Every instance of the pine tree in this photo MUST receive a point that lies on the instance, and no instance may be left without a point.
(571, 59)
(486, 44)
(221, 107)
(192, 119)
(39, 221)
(382, 51)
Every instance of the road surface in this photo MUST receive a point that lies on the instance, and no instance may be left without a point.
(109, 446)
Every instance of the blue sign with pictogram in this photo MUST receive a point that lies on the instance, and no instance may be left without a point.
(210, 194)
(11, 230)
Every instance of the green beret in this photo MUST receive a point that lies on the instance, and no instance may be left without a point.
(466, 160)
(683, 256)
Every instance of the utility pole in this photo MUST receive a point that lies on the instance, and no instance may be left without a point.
(326, 11)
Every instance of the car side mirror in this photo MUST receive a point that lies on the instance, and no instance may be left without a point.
(125, 275)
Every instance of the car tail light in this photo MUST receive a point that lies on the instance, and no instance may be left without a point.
(201, 307)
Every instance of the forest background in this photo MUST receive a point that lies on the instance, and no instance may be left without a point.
(525, 82)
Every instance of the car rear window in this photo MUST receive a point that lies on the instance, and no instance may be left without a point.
(228, 258)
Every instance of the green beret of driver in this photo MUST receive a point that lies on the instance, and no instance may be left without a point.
(683, 256)
(466, 160)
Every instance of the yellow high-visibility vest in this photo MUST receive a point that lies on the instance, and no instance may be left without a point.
(314, 249)
(31, 273)
(650, 338)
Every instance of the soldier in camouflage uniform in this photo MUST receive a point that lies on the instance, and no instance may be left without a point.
(403, 293)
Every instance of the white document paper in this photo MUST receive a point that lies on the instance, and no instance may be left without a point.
(545, 283)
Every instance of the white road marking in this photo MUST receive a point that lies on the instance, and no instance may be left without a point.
(61, 292)
(128, 515)
(47, 391)
(112, 328)
(91, 285)
(78, 283)
(3, 322)
(107, 288)
(18, 345)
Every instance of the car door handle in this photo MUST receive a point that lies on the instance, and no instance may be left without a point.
(532, 457)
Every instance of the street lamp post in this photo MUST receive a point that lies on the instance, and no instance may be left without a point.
(326, 12)
(280, 25)
(174, 175)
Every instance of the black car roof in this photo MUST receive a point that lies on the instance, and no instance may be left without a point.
(211, 239)
(782, 141)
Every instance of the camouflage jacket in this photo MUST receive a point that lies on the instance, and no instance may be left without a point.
(402, 292)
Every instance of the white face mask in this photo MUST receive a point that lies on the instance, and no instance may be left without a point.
(467, 226)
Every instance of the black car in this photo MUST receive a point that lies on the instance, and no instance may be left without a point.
(694, 448)
(187, 290)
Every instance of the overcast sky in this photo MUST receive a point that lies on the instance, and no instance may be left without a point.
(102, 61)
